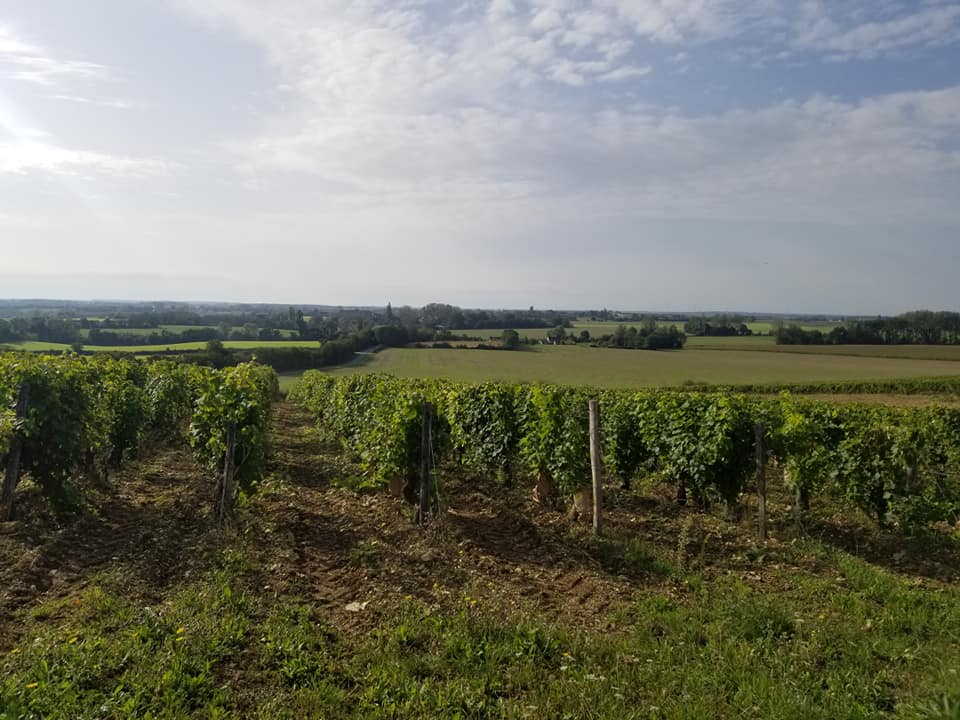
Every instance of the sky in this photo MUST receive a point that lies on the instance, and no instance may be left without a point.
(759, 155)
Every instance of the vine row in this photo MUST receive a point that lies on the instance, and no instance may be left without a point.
(899, 465)
(86, 416)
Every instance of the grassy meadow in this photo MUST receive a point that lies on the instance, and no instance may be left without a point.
(177, 329)
(570, 364)
(35, 346)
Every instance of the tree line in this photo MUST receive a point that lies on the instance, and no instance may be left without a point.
(169, 326)
(920, 327)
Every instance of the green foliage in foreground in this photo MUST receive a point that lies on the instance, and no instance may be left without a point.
(852, 642)
(240, 396)
(899, 465)
(90, 414)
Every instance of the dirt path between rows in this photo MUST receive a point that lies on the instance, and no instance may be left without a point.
(357, 556)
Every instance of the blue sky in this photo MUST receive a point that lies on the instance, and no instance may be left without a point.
(636, 154)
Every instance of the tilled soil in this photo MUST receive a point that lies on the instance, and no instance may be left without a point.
(356, 556)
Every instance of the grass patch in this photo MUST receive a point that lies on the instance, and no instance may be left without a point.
(631, 556)
(35, 346)
(850, 642)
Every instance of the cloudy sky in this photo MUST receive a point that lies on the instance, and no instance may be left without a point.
(781, 155)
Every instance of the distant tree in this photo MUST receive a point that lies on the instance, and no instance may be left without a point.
(441, 315)
(696, 326)
(584, 336)
(327, 328)
(389, 313)
(620, 336)
(557, 334)
(510, 339)
(391, 335)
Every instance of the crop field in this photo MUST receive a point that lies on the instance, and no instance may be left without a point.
(600, 328)
(35, 346)
(909, 352)
(751, 342)
(765, 343)
(174, 329)
(603, 367)
(327, 601)
(317, 594)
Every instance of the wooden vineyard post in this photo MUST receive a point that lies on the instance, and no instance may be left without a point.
(426, 452)
(595, 464)
(761, 479)
(12, 475)
(226, 494)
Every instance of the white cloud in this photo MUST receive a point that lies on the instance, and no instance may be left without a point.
(114, 103)
(625, 72)
(467, 112)
(21, 60)
(673, 20)
(29, 155)
(930, 25)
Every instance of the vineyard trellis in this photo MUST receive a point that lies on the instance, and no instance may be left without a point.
(900, 465)
(88, 415)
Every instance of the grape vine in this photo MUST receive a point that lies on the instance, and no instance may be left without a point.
(898, 465)
(88, 415)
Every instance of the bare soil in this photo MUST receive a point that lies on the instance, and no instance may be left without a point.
(359, 555)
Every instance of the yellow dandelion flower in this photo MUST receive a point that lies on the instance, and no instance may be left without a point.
(31, 686)
(181, 630)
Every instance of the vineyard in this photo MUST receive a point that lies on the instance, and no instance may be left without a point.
(901, 466)
(320, 598)
(69, 421)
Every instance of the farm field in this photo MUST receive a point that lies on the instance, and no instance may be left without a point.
(602, 367)
(329, 602)
(175, 329)
(35, 346)
(596, 329)
(765, 343)
(751, 342)
(288, 380)
(599, 328)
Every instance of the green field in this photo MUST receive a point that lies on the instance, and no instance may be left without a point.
(580, 365)
(752, 342)
(139, 349)
(599, 328)
(765, 343)
(175, 329)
